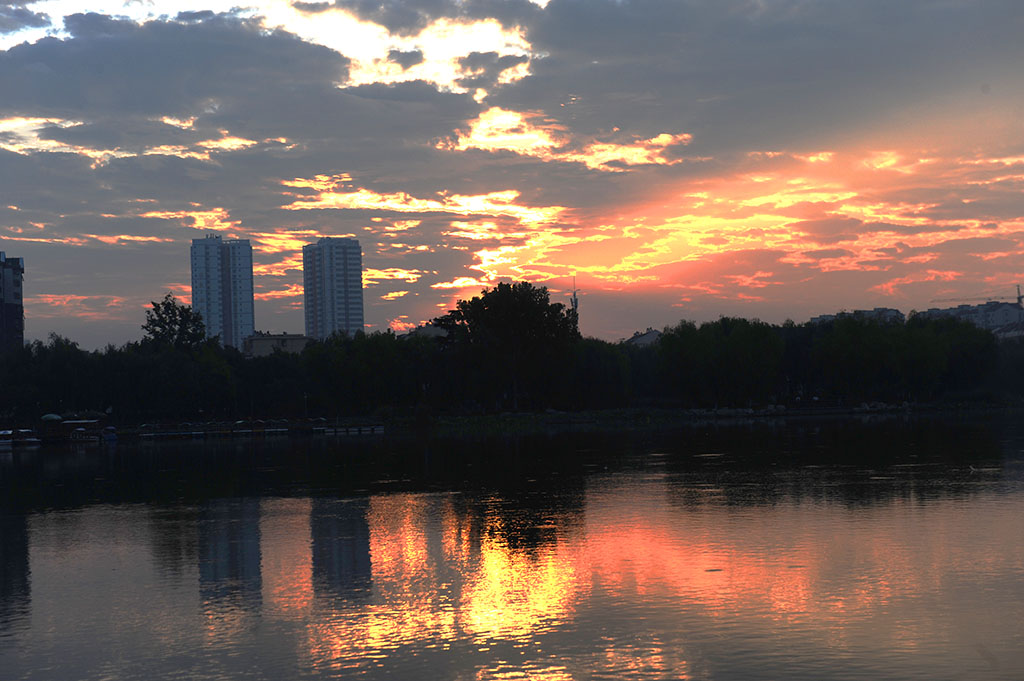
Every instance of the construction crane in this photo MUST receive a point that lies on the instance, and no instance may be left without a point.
(1020, 299)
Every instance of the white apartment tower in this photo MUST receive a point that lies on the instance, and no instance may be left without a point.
(332, 276)
(222, 287)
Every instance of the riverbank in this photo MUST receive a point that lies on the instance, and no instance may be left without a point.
(659, 418)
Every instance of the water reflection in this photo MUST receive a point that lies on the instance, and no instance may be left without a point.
(15, 581)
(341, 548)
(229, 553)
(668, 565)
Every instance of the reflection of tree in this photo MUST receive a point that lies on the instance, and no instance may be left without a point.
(15, 582)
(839, 461)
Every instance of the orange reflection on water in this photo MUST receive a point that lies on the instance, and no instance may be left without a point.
(513, 594)
(409, 602)
(286, 563)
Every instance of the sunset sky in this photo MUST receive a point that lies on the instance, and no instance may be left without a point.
(684, 159)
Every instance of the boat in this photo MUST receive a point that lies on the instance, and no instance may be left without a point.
(6, 439)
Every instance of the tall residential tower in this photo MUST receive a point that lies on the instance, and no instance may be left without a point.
(222, 287)
(332, 276)
(12, 306)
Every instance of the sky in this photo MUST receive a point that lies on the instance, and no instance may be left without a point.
(681, 159)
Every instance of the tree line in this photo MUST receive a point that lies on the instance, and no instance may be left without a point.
(510, 348)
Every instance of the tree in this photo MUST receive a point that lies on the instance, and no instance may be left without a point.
(512, 342)
(175, 324)
(511, 314)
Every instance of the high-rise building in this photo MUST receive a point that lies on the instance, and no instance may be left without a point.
(12, 306)
(332, 276)
(222, 287)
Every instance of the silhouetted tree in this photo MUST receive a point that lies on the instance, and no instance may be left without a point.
(175, 324)
(513, 341)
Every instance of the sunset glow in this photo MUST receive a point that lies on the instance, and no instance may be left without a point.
(470, 147)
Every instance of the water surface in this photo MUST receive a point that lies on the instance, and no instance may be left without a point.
(885, 550)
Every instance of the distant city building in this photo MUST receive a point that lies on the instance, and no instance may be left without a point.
(265, 344)
(427, 330)
(1009, 332)
(641, 339)
(991, 315)
(887, 315)
(12, 306)
(222, 290)
(332, 277)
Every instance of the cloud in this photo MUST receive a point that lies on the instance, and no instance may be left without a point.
(682, 159)
(15, 16)
(116, 68)
(406, 59)
(410, 16)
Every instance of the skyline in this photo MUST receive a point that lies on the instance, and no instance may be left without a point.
(683, 160)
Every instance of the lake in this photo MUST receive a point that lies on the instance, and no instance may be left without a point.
(881, 549)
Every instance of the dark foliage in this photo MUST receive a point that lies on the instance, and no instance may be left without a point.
(171, 323)
(510, 348)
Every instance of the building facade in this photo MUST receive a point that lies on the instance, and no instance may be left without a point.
(332, 277)
(992, 315)
(222, 290)
(882, 315)
(265, 344)
(12, 306)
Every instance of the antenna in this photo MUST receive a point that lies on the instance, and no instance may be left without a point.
(574, 302)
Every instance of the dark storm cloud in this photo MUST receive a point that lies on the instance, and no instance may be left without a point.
(15, 16)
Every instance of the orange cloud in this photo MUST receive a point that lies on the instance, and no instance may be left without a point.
(214, 219)
(289, 291)
(59, 306)
(401, 324)
(497, 203)
(530, 134)
(892, 287)
(372, 276)
(114, 239)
